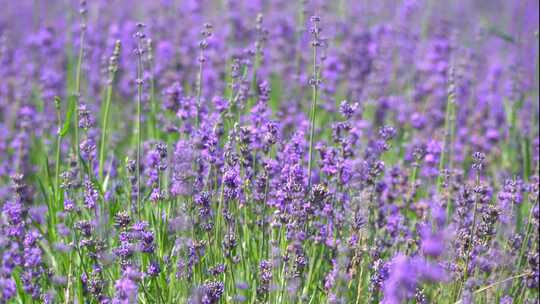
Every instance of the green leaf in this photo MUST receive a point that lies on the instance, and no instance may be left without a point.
(69, 115)
(48, 171)
(501, 35)
(43, 191)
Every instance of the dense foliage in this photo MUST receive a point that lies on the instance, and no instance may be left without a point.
(284, 151)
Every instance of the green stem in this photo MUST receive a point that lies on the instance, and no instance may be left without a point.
(452, 127)
(449, 134)
(473, 232)
(58, 145)
(315, 92)
(104, 128)
(360, 281)
(139, 102)
(77, 93)
(199, 86)
(413, 183)
(113, 66)
(525, 239)
(496, 283)
(153, 106)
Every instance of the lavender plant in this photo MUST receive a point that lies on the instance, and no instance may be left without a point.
(290, 152)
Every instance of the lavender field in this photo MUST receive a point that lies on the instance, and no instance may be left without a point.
(269, 151)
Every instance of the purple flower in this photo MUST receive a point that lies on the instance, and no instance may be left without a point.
(153, 269)
(91, 195)
(405, 274)
(127, 287)
(8, 289)
(432, 244)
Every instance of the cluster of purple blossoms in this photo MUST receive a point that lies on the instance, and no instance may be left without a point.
(269, 152)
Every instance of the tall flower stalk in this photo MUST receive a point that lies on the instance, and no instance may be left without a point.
(478, 164)
(57, 106)
(77, 94)
(314, 82)
(113, 67)
(449, 137)
(203, 45)
(139, 35)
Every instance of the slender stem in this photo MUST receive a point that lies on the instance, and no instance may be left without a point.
(113, 66)
(139, 102)
(77, 93)
(58, 145)
(257, 61)
(67, 295)
(497, 283)
(360, 276)
(452, 127)
(525, 242)
(203, 44)
(413, 182)
(159, 290)
(473, 232)
(442, 159)
(219, 215)
(264, 251)
(527, 235)
(315, 86)
(298, 33)
(153, 130)
(199, 85)
(104, 128)
(359, 287)
(449, 134)
(153, 106)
